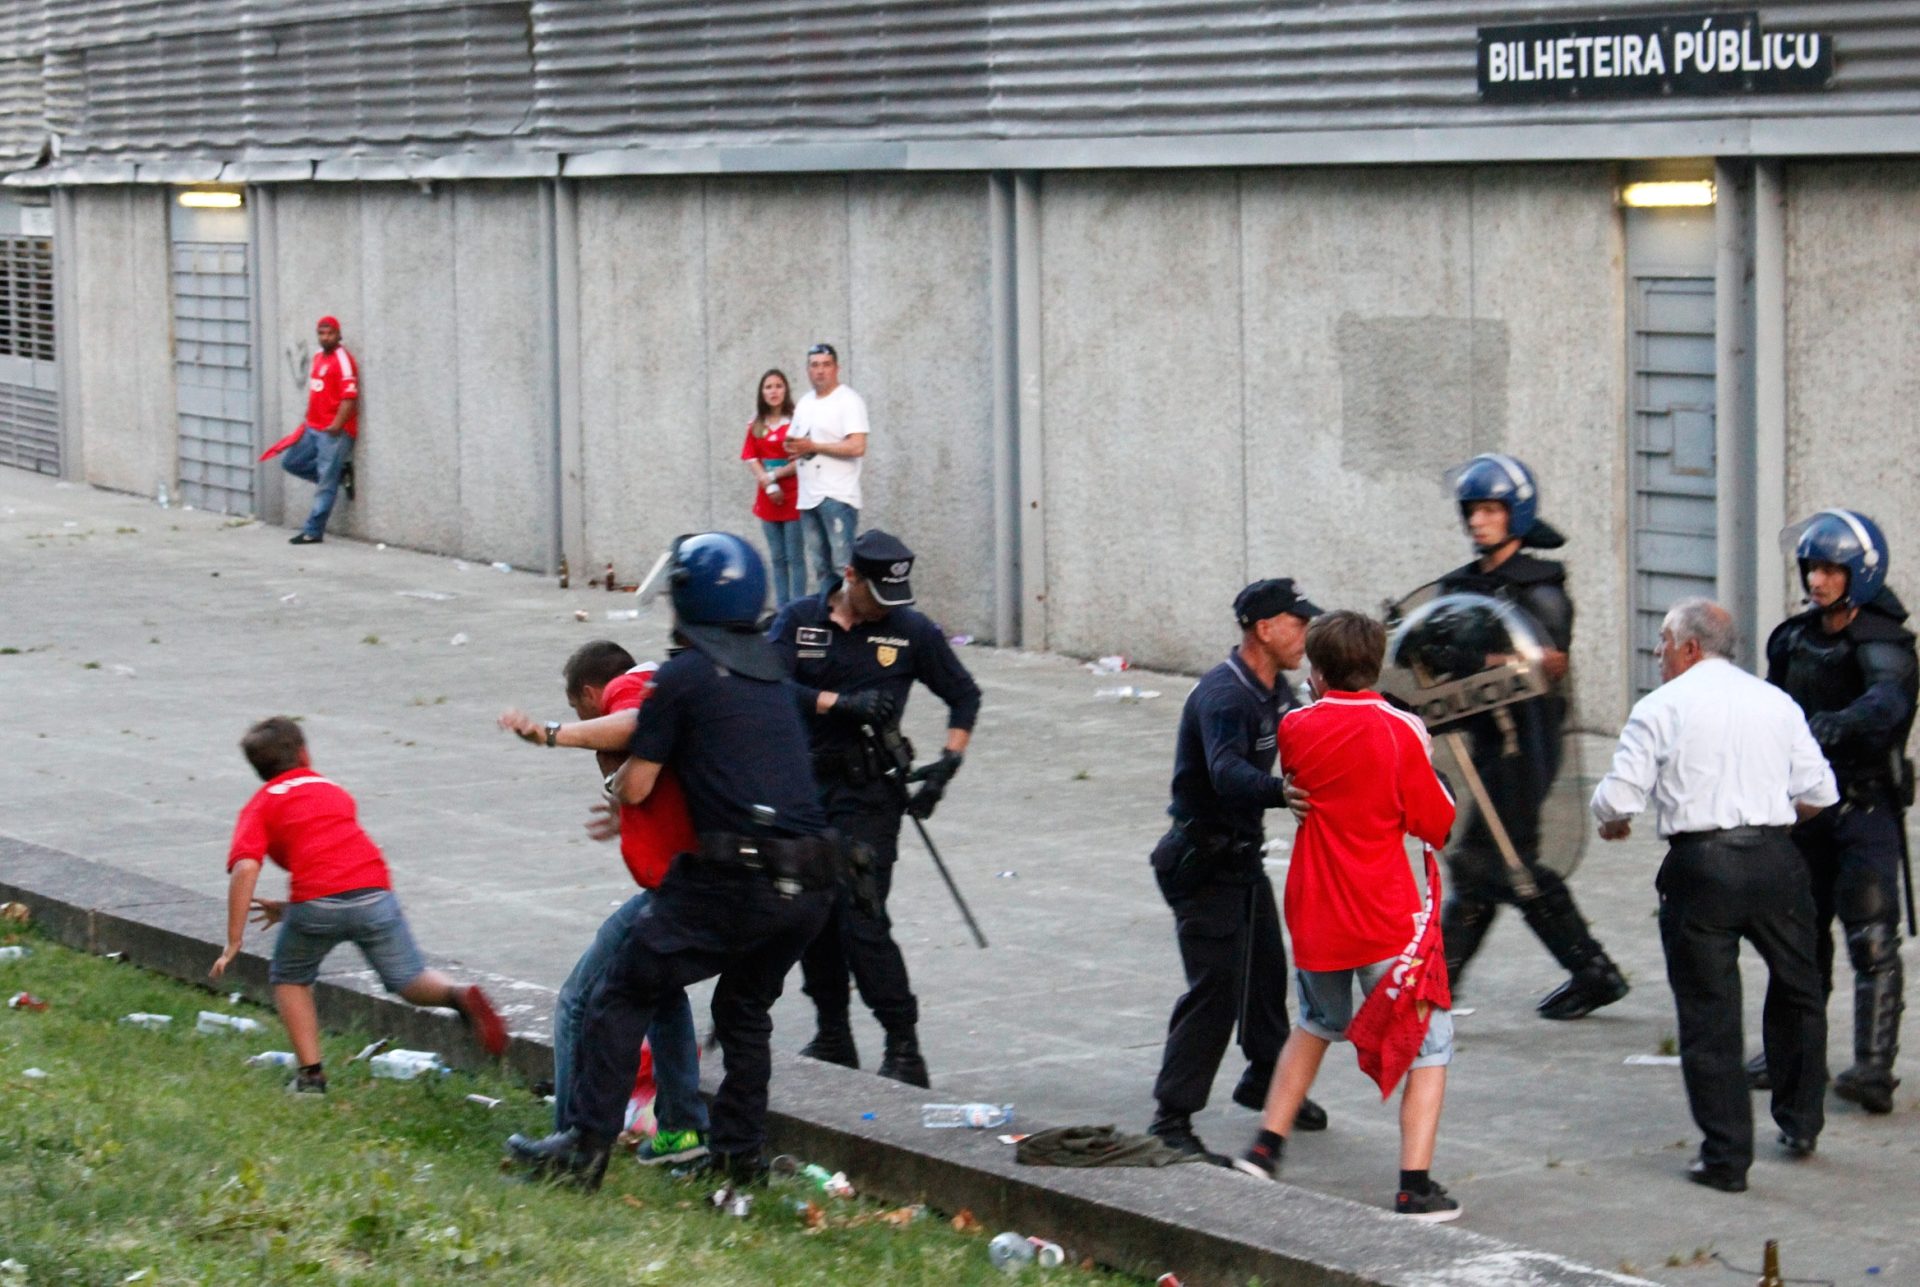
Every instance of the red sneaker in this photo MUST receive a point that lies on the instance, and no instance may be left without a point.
(486, 1025)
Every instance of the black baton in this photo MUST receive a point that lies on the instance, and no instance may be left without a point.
(893, 751)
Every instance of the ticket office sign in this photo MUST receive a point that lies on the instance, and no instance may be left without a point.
(1694, 55)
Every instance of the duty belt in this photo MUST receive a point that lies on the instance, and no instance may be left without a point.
(1219, 846)
(795, 864)
(849, 765)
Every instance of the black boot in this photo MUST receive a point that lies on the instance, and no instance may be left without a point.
(1463, 924)
(1251, 1092)
(1175, 1130)
(833, 1042)
(902, 1061)
(566, 1157)
(1596, 980)
(1878, 982)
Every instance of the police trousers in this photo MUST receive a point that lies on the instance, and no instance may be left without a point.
(857, 943)
(704, 920)
(1235, 960)
(1715, 890)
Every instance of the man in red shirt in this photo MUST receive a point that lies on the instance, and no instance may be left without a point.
(341, 893)
(322, 453)
(606, 689)
(1351, 902)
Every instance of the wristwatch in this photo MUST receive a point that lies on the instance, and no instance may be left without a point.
(553, 731)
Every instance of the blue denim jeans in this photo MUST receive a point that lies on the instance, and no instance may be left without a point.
(319, 457)
(786, 544)
(676, 1050)
(830, 526)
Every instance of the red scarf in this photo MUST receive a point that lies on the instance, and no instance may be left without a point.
(283, 444)
(1392, 1023)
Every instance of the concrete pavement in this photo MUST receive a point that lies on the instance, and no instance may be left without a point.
(147, 639)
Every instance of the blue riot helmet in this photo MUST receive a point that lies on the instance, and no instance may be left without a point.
(1845, 538)
(719, 589)
(1494, 476)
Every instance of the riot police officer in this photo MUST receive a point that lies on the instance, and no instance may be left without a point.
(855, 650)
(1848, 660)
(1208, 867)
(1517, 750)
(744, 904)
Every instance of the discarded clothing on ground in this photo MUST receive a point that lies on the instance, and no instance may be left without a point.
(1096, 1146)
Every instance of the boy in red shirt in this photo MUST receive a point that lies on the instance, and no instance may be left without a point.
(341, 893)
(1351, 901)
(605, 689)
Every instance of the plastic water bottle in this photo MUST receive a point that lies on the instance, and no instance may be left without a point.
(1048, 1255)
(980, 1117)
(212, 1022)
(15, 953)
(273, 1059)
(142, 1019)
(1010, 1252)
(162, 498)
(405, 1065)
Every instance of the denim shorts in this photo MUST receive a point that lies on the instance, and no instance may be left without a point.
(372, 919)
(1327, 1004)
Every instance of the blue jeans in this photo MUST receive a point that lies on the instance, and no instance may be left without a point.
(676, 1050)
(787, 545)
(319, 457)
(830, 527)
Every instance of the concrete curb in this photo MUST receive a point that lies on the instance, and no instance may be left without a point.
(1209, 1226)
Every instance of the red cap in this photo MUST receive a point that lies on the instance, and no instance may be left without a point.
(328, 320)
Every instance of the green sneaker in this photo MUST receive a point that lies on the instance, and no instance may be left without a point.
(672, 1146)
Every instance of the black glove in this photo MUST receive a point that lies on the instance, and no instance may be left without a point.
(868, 706)
(1829, 727)
(934, 778)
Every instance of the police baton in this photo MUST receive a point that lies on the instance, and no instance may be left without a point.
(893, 753)
(1906, 870)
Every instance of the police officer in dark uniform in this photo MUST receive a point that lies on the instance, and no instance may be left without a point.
(745, 904)
(1208, 866)
(1848, 660)
(855, 650)
(1516, 750)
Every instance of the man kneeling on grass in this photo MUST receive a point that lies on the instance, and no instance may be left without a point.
(341, 893)
(1352, 906)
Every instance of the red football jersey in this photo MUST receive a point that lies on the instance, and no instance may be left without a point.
(1368, 769)
(657, 828)
(306, 824)
(333, 379)
(773, 450)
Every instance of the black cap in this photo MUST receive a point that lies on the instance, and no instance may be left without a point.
(886, 563)
(1270, 598)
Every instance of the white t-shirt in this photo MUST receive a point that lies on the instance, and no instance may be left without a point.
(834, 418)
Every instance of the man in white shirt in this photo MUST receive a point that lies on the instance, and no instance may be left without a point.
(829, 437)
(1729, 764)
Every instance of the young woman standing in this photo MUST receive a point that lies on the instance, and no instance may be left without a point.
(775, 504)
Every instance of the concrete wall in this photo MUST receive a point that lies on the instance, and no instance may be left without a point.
(121, 366)
(1267, 373)
(442, 298)
(690, 289)
(1853, 351)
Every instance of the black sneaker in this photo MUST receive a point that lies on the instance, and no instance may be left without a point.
(346, 479)
(565, 1157)
(1181, 1139)
(1434, 1206)
(1261, 1162)
(1798, 1146)
(301, 538)
(305, 1083)
(1251, 1092)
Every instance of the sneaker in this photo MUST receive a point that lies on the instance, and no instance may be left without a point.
(1183, 1140)
(305, 1083)
(1260, 1162)
(346, 479)
(1432, 1207)
(303, 538)
(672, 1146)
(479, 1013)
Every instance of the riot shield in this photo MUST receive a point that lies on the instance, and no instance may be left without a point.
(1480, 674)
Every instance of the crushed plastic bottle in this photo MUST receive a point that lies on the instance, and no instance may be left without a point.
(162, 498)
(274, 1059)
(1129, 693)
(460, 640)
(405, 1065)
(211, 1021)
(501, 567)
(979, 1117)
(832, 1183)
(1010, 1252)
(142, 1019)
(1111, 664)
(25, 1001)
(15, 953)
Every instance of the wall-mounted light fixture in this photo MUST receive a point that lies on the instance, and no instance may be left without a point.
(211, 199)
(1668, 192)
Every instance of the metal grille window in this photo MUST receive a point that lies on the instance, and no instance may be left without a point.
(26, 298)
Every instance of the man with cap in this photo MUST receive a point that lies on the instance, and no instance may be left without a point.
(321, 450)
(742, 904)
(1209, 869)
(1517, 749)
(855, 650)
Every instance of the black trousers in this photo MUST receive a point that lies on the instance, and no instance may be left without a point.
(853, 942)
(1713, 893)
(1853, 856)
(700, 923)
(1229, 937)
